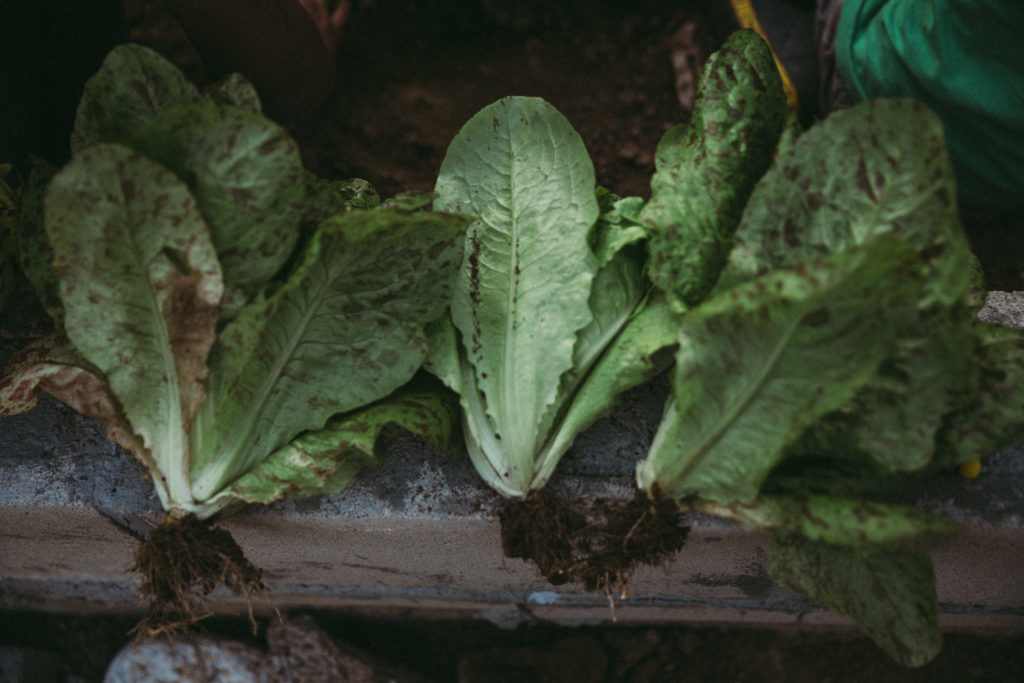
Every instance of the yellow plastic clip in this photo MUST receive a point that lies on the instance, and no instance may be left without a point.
(970, 469)
(747, 18)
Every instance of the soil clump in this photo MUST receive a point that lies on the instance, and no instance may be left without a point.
(599, 545)
(181, 562)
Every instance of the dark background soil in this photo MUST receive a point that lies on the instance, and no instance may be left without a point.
(411, 72)
(479, 652)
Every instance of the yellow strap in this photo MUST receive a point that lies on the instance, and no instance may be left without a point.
(747, 18)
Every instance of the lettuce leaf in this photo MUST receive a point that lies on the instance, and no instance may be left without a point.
(141, 284)
(35, 252)
(888, 592)
(51, 364)
(243, 170)
(759, 363)
(707, 168)
(549, 282)
(345, 330)
(164, 253)
(324, 461)
(132, 88)
(521, 170)
(879, 167)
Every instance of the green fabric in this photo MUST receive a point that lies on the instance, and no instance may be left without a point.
(965, 60)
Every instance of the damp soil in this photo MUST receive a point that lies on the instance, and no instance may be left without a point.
(596, 544)
(179, 564)
(411, 73)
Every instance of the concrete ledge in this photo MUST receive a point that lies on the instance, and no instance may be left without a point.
(418, 535)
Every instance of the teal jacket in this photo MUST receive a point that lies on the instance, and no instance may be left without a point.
(965, 60)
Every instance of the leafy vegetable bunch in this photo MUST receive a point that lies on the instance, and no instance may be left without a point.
(815, 289)
(244, 328)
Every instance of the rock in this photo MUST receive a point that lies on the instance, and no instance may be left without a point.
(188, 659)
(1003, 308)
(298, 650)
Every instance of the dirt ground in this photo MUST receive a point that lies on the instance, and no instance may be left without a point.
(410, 73)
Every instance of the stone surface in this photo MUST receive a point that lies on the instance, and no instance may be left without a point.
(297, 650)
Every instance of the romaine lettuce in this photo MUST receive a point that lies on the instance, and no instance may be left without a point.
(185, 323)
(546, 309)
(834, 355)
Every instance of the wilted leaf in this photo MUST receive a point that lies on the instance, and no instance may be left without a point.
(324, 461)
(50, 364)
(140, 284)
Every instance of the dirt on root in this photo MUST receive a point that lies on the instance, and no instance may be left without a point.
(598, 545)
(180, 563)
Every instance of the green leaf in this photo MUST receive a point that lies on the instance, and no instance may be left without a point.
(839, 521)
(879, 167)
(324, 461)
(894, 418)
(236, 90)
(132, 88)
(888, 593)
(36, 255)
(759, 363)
(346, 329)
(247, 176)
(992, 418)
(641, 349)
(618, 226)
(140, 284)
(521, 170)
(409, 201)
(325, 198)
(707, 169)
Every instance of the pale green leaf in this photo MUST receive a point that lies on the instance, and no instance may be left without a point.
(641, 349)
(520, 169)
(346, 329)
